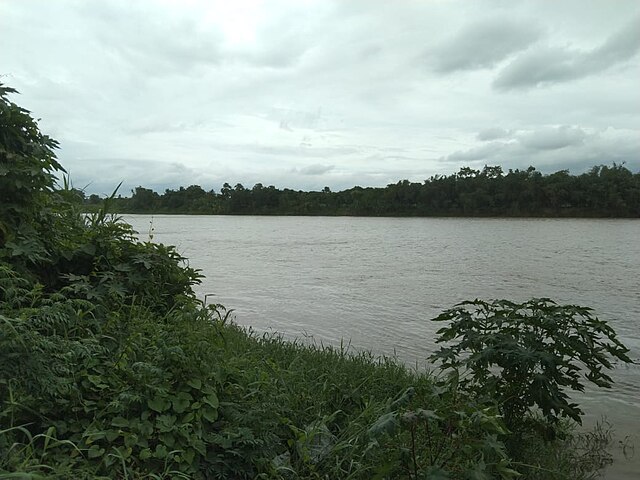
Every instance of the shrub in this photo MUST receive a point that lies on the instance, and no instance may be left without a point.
(525, 356)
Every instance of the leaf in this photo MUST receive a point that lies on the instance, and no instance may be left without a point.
(88, 248)
(165, 423)
(405, 398)
(161, 451)
(195, 383)
(210, 414)
(168, 439)
(181, 402)
(189, 455)
(427, 414)
(159, 404)
(212, 400)
(385, 424)
(119, 422)
(507, 472)
(200, 447)
(188, 418)
(208, 389)
(95, 451)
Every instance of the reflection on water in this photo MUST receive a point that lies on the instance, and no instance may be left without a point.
(376, 282)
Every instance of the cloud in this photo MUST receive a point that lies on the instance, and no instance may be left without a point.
(483, 44)
(315, 169)
(550, 65)
(620, 46)
(167, 44)
(493, 133)
(553, 138)
(279, 44)
(106, 173)
(290, 119)
(480, 153)
(555, 148)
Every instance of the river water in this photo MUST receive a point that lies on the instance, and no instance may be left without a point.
(375, 283)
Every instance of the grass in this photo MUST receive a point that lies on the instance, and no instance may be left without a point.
(326, 396)
(277, 410)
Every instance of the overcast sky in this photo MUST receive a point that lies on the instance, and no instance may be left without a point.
(307, 94)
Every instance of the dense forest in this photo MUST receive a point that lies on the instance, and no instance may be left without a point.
(603, 191)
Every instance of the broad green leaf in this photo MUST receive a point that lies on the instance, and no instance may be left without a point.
(119, 422)
(95, 451)
(159, 404)
(210, 413)
(195, 383)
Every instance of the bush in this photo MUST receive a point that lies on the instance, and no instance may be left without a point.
(525, 356)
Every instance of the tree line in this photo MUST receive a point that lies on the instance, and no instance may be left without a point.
(603, 191)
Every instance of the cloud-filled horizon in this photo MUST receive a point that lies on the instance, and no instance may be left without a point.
(315, 93)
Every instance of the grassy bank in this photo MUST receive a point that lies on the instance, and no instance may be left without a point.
(185, 395)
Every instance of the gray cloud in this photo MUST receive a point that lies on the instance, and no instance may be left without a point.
(493, 133)
(483, 44)
(159, 45)
(555, 148)
(553, 138)
(107, 173)
(475, 154)
(549, 65)
(315, 169)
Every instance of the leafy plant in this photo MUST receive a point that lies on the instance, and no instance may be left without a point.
(456, 438)
(526, 356)
(27, 167)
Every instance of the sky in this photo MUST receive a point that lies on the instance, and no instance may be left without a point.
(305, 94)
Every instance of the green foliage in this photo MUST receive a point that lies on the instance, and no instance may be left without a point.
(457, 439)
(604, 191)
(526, 355)
(27, 166)
(27, 179)
(122, 390)
(355, 416)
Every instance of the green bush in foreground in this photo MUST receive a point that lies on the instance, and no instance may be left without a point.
(111, 368)
(525, 355)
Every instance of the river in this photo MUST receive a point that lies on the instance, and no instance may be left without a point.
(375, 283)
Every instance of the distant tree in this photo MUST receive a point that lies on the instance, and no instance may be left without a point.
(466, 172)
(144, 200)
(602, 191)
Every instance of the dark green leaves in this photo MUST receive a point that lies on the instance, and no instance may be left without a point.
(523, 355)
